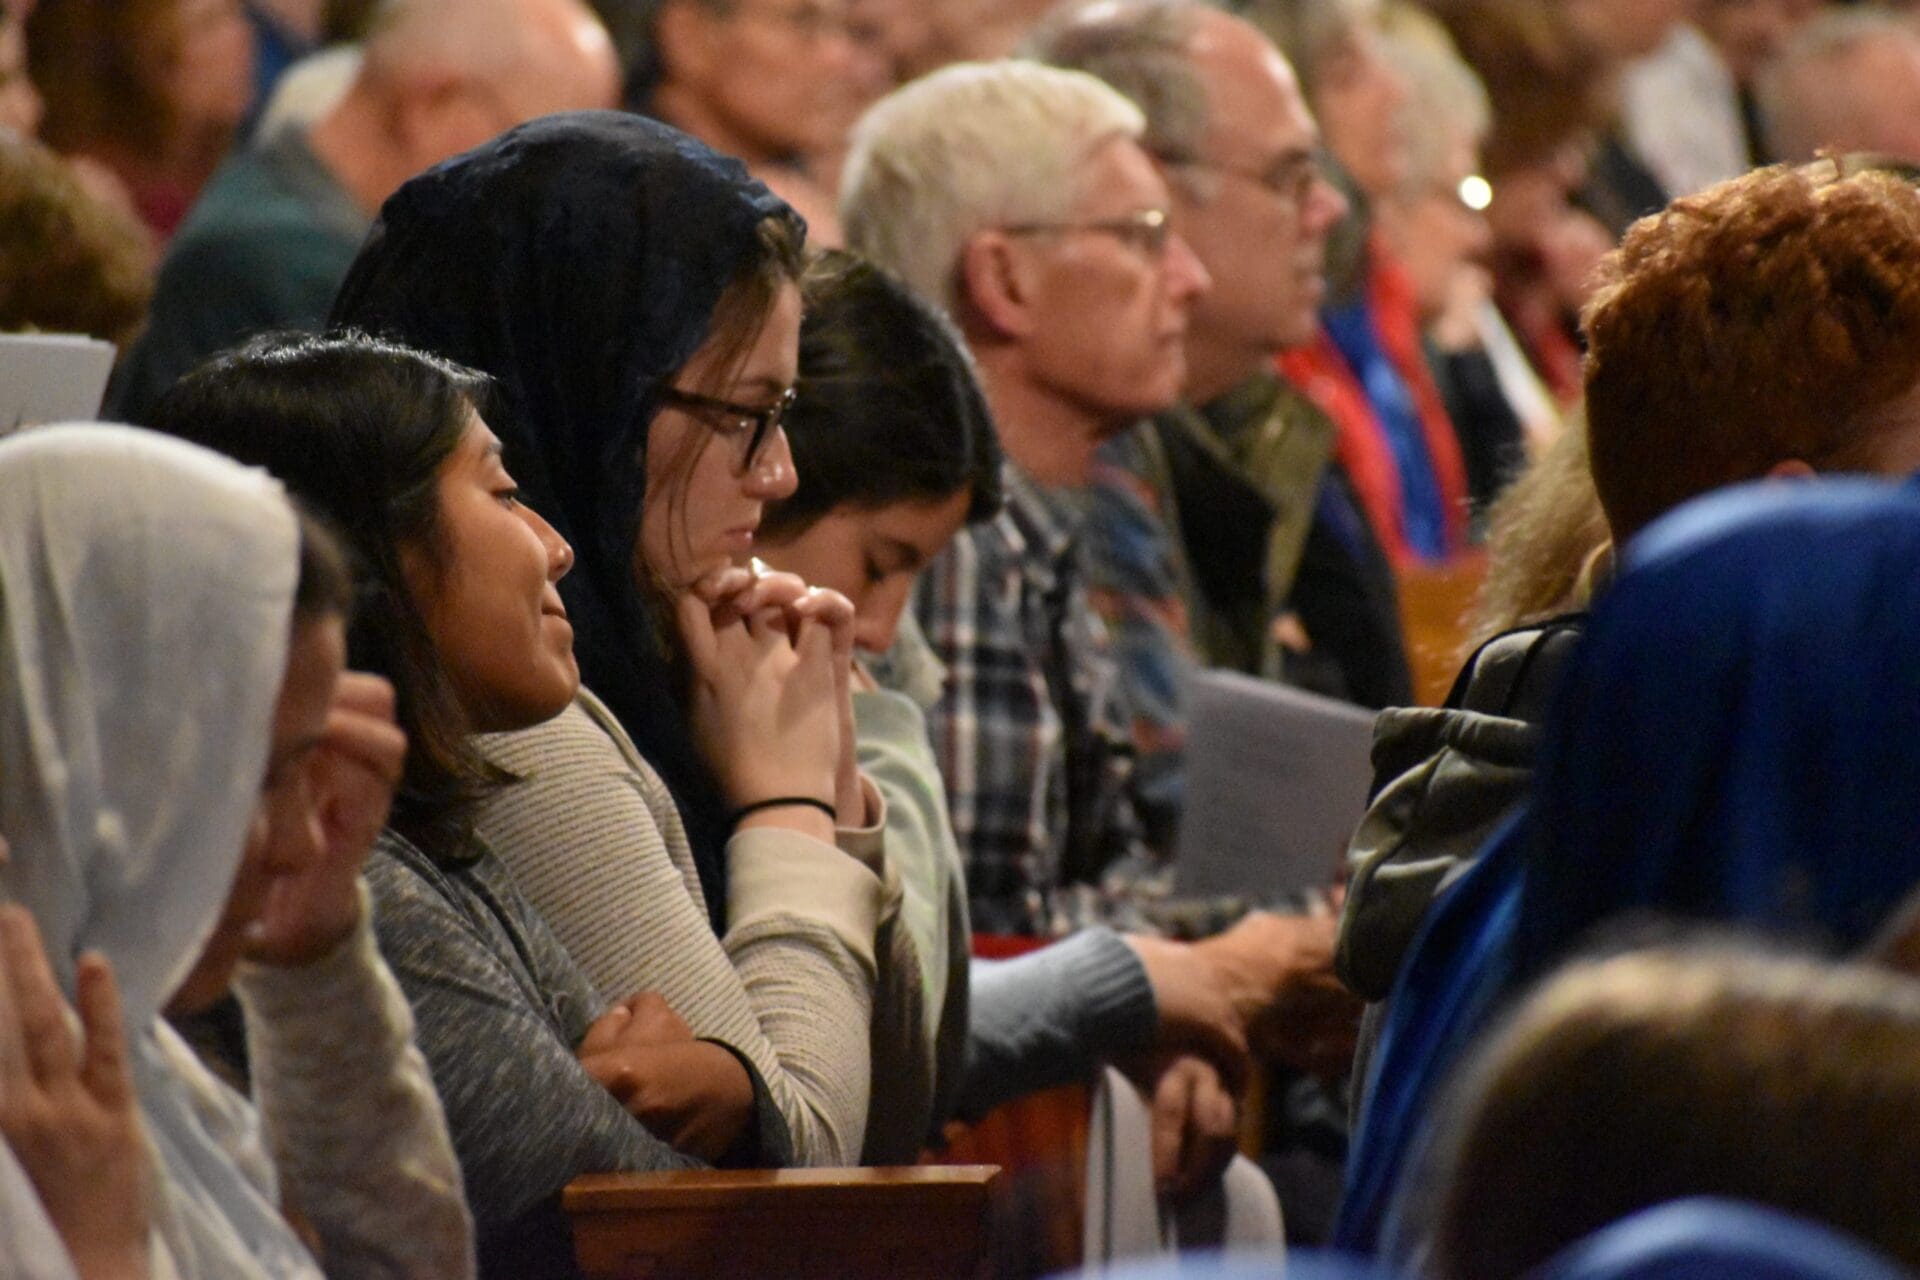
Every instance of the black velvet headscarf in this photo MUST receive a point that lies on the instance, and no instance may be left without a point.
(578, 260)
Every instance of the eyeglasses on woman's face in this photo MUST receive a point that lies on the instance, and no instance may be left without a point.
(747, 427)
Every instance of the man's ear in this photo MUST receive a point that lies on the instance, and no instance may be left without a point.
(998, 283)
(1791, 469)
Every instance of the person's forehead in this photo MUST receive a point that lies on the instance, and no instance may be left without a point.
(1254, 100)
(1119, 178)
(790, 10)
(478, 444)
(773, 359)
(913, 523)
(1897, 62)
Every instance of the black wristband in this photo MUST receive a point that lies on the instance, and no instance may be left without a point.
(782, 802)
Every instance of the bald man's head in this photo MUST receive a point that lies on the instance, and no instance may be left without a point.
(439, 77)
(536, 56)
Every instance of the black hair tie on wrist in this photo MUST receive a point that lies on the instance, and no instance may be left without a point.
(782, 802)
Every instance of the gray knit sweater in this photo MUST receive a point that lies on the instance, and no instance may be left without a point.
(593, 838)
(348, 1112)
(499, 1008)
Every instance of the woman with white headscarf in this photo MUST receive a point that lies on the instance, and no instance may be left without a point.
(188, 786)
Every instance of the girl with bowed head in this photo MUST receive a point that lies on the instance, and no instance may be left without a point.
(895, 449)
(696, 824)
(188, 786)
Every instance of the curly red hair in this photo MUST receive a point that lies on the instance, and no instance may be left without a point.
(1771, 318)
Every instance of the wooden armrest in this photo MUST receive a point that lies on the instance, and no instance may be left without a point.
(916, 1221)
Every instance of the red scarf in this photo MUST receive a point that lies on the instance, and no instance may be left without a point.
(1322, 373)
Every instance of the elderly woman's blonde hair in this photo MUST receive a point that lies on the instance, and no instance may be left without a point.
(1447, 101)
(968, 148)
(1548, 546)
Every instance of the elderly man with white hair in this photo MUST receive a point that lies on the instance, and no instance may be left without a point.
(1019, 197)
(1200, 516)
(275, 230)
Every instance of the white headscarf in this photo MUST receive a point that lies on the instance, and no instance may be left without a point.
(146, 600)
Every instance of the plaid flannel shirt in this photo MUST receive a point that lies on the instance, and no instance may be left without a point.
(1027, 731)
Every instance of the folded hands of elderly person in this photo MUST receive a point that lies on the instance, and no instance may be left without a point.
(1277, 971)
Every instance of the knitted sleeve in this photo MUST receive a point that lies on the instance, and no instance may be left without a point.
(351, 1116)
(592, 838)
(496, 1036)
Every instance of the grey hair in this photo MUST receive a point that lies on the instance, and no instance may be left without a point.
(1141, 48)
(972, 146)
(1307, 32)
(1448, 102)
(1805, 105)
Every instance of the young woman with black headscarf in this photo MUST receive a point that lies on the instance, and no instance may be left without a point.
(681, 827)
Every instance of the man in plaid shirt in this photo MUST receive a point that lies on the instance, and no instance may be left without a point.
(1074, 299)
(1036, 755)
(1018, 197)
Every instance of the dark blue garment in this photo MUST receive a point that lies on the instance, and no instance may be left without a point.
(1735, 741)
(1423, 508)
(274, 50)
(578, 260)
(1732, 743)
(1343, 592)
(1706, 1239)
(1456, 976)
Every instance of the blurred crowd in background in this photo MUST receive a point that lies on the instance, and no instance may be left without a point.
(1344, 343)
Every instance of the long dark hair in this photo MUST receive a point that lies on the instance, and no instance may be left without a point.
(358, 430)
(889, 409)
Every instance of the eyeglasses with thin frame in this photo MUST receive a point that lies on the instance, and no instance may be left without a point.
(1293, 177)
(1146, 229)
(732, 420)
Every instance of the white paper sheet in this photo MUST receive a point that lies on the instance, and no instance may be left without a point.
(1277, 780)
(51, 377)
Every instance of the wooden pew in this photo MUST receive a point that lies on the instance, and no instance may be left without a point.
(1434, 603)
(924, 1222)
(1038, 1205)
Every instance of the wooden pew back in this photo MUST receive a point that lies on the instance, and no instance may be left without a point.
(924, 1222)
